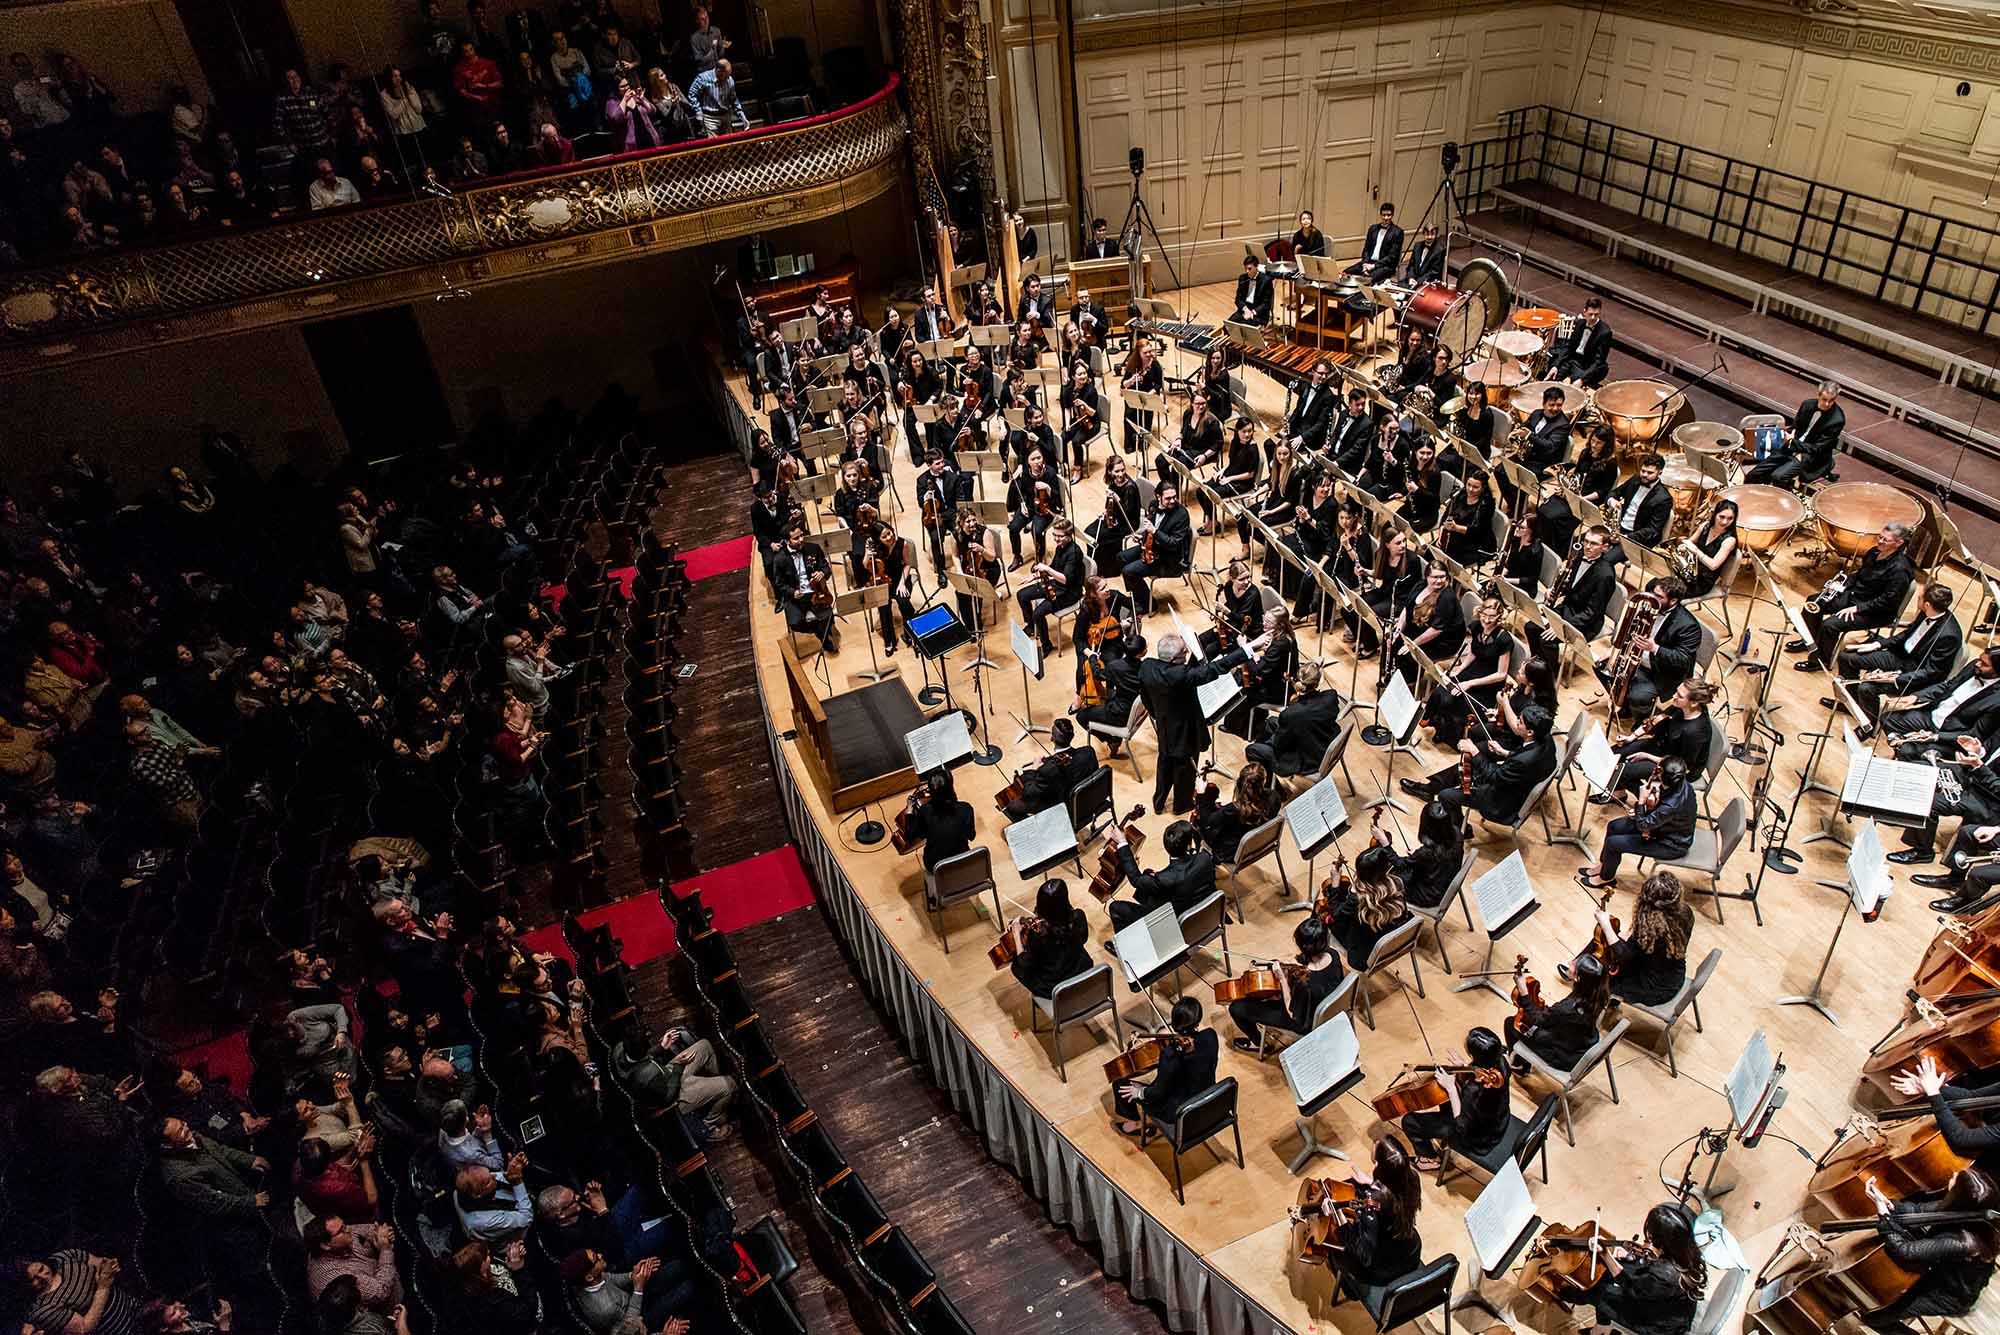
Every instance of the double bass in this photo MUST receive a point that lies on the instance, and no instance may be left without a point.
(1110, 871)
(1905, 1160)
(1834, 1279)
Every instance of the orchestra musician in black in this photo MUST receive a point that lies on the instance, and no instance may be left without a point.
(1121, 516)
(1384, 473)
(1473, 678)
(1423, 487)
(941, 487)
(1173, 545)
(792, 570)
(1301, 988)
(1236, 473)
(1167, 683)
(1084, 414)
(1501, 778)
(1656, 1291)
(1426, 264)
(1035, 434)
(1667, 649)
(1467, 524)
(1308, 239)
(1312, 539)
(940, 819)
(1661, 826)
(1583, 356)
(1058, 582)
(1048, 782)
(1350, 436)
(1548, 433)
(1907, 659)
(1186, 1068)
(1296, 739)
(1433, 622)
(1252, 303)
(1521, 559)
(1584, 602)
(1100, 246)
(1142, 372)
(1810, 442)
(1381, 248)
(1641, 506)
(1054, 944)
(1306, 427)
(1034, 502)
(1284, 492)
(1870, 597)
(1711, 548)
(1393, 585)
(1681, 728)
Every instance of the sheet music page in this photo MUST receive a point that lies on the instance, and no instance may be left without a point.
(1188, 637)
(1748, 1079)
(939, 743)
(1322, 1059)
(1026, 650)
(1397, 708)
(1497, 1217)
(1799, 624)
(1041, 839)
(1503, 890)
(1595, 758)
(1326, 799)
(1904, 788)
(1217, 697)
(1306, 822)
(1868, 882)
(1138, 942)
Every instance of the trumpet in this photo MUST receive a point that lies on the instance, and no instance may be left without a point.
(1967, 861)
(1833, 589)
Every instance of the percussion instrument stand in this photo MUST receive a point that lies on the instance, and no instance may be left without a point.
(1132, 232)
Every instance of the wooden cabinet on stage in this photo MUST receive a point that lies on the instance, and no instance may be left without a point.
(1323, 320)
(788, 298)
(1109, 283)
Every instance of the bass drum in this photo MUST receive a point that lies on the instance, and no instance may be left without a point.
(1453, 317)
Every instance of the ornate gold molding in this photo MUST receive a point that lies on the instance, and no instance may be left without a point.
(942, 51)
(345, 261)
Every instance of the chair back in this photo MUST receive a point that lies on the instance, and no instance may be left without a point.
(1394, 944)
(1090, 799)
(1203, 922)
(1718, 751)
(1336, 749)
(1081, 996)
(1337, 1002)
(1535, 1133)
(1729, 832)
(1598, 1050)
(1258, 843)
(1614, 607)
(1693, 986)
(1136, 716)
(1456, 889)
(1468, 605)
(962, 877)
(1146, 488)
(1269, 597)
(1725, 578)
(1720, 1302)
(1206, 1113)
(1552, 564)
(1706, 654)
(1418, 1292)
(1448, 488)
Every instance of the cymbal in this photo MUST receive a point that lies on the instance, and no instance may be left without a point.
(1451, 406)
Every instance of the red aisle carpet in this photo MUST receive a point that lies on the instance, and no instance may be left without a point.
(718, 558)
(741, 894)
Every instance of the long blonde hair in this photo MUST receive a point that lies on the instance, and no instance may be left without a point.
(1379, 904)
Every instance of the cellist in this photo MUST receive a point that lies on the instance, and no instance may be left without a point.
(1978, 1143)
(1187, 1068)
(1657, 1290)
(1303, 987)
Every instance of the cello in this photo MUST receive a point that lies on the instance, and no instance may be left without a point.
(1839, 1278)
(1148, 1045)
(1567, 1261)
(1110, 871)
(1315, 1233)
(1420, 1089)
(1907, 1160)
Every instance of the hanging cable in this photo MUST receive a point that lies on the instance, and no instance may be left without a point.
(1215, 148)
(1437, 90)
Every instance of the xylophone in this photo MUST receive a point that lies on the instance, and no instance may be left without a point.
(1288, 362)
(1194, 337)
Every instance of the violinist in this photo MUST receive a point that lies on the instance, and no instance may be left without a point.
(1101, 615)
(1501, 777)
(1978, 1143)
(788, 422)
(1058, 581)
(867, 377)
(1296, 739)
(1201, 441)
(1954, 1264)
(889, 341)
(793, 569)
(917, 384)
(769, 518)
(1521, 563)
(985, 307)
(858, 490)
(1351, 436)
(1561, 1033)
(931, 320)
(860, 434)
(1121, 516)
(1310, 417)
(1428, 870)
(1239, 607)
(940, 488)
(1186, 880)
(1434, 623)
(975, 378)
(1477, 1117)
(1036, 305)
(886, 560)
(1142, 372)
(1312, 540)
(1081, 409)
(1053, 944)
(1649, 959)
(1267, 680)
(1654, 1291)
(1303, 986)
(1035, 434)
(1034, 502)
(1473, 680)
(764, 457)
(1027, 346)
(1118, 669)
(1173, 542)
(1254, 801)
(1385, 472)
(1548, 433)
(1089, 318)
(1661, 825)
(1075, 349)
(1370, 907)
(1237, 473)
(1187, 1068)
(1048, 783)
(1467, 524)
(1680, 728)
(977, 550)
(940, 819)
(1423, 488)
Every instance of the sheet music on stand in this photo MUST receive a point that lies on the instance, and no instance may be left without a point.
(1188, 637)
(1322, 1059)
(1218, 697)
(1595, 758)
(1026, 649)
(1397, 708)
(939, 744)
(1505, 895)
(1149, 944)
(1497, 1218)
(1749, 1081)
(1040, 841)
(1868, 880)
(1316, 816)
(1898, 789)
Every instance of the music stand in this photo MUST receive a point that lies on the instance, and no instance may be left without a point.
(1029, 655)
(1600, 768)
(1396, 715)
(1319, 1067)
(821, 442)
(1506, 899)
(1316, 818)
(797, 330)
(971, 586)
(823, 398)
(937, 631)
(939, 349)
(1144, 401)
(1041, 841)
(863, 600)
(1148, 949)
(1342, 598)
(1866, 886)
(1500, 1223)
(989, 335)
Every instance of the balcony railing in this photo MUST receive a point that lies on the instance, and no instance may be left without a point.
(97, 291)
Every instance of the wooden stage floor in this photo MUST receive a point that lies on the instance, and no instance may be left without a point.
(1236, 1218)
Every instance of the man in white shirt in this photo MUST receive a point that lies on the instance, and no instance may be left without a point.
(329, 189)
(1905, 660)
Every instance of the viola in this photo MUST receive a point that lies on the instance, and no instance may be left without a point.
(1043, 493)
(1600, 940)
(1004, 952)
(903, 838)
(822, 592)
(1090, 691)
(1015, 791)
(1110, 870)
(1148, 1046)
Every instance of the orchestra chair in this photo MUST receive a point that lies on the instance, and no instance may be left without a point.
(1523, 1142)
(1252, 848)
(1202, 1117)
(895, 1260)
(1122, 734)
(940, 1316)
(955, 880)
(1454, 894)
(1567, 1081)
(1668, 1013)
(1534, 796)
(1393, 946)
(1340, 1001)
(1614, 607)
(1713, 1313)
(1335, 754)
(1075, 1001)
(1725, 580)
(1712, 849)
(1415, 1295)
(1089, 804)
(1203, 923)
(1704, 781)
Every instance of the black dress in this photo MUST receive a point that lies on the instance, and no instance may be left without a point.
(1371, 1254)
(1560, 1034)
(946, 832)
(1450, 712)
(1447, 618)
(1474, 545)
(1650, 978)
(1307, 993)
(1482, 1121)
(1357, 939)
(1427, 872)
(1524, 569)
(1647, 1297)
(1052, 954)
(1703, 579)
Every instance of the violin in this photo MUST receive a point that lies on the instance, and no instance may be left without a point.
(931, 509)
(1043, 492)
(1146, 545)
(872, 562)
(1090, 691)
(1004, 952)
(1527, 993)
(1148, 1046)
(821, 591)
(903, 837)
(1110, 871)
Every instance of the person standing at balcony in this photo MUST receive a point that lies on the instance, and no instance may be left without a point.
(672, 111)
(299, 121)
(714, 93)
(630, 118)
(706, 44)
(403, 108)
(614, 57)
(477, 82)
